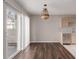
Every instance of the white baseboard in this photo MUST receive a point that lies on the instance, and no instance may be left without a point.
(44, 41)
(26, 46)
(14, 54)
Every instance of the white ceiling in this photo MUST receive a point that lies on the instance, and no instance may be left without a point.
(55, 7)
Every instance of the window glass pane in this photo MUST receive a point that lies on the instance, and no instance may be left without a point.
(11, 19)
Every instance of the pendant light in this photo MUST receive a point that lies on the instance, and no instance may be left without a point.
(45, 14)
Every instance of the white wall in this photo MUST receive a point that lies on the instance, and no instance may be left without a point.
(25, 31)
(50, 30)
(45, 31)
(16, 5)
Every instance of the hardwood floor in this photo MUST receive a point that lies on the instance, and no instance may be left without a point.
(45, 51)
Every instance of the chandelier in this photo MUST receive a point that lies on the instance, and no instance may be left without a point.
(45, 14)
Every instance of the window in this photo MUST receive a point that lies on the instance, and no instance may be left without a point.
(11, 19)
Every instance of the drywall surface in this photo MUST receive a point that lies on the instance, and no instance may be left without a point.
(45, 30)
(48, 30)
(15, 5)
(25, 31)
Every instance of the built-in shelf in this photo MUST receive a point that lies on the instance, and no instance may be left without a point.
(67, 38)
(68, 21)
(68, 30)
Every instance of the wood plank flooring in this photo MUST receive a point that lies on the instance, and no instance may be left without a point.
(45, 51)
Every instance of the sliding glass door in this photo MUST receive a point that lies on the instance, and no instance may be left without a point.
(16, 31)
(12, 31)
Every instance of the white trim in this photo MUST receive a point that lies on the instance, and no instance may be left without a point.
(26, 46)
(18, 52)
(44, 41)
(14, 54)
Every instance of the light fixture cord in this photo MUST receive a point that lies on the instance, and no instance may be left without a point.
(45, 3)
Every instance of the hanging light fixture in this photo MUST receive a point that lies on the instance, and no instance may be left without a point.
(45, 14)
